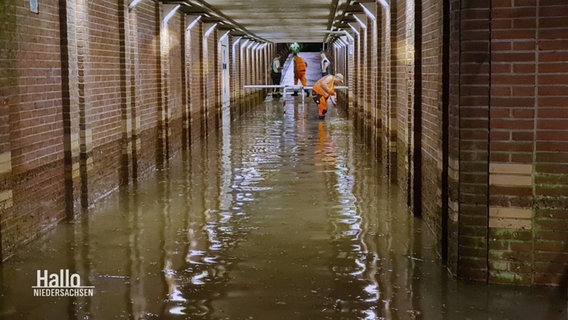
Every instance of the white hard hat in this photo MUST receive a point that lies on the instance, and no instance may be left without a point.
(339, 76)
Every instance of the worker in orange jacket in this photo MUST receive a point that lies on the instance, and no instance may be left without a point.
(300, 67)
(323, 89)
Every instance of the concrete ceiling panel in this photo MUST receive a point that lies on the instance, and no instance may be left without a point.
(276, 20)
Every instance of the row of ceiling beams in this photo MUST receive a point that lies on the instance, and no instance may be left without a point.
(278, 21)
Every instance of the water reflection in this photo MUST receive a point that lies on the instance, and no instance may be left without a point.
(137, 301)
(211, 230)
(276, 216)
(354, 262)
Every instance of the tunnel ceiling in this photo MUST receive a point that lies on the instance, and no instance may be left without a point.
(275, 21)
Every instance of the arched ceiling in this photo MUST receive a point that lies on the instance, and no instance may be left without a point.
(276, 21)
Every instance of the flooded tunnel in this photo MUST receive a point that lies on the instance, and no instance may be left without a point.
(147, 172)
(275, 215)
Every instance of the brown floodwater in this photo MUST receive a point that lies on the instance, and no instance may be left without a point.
(277, 215)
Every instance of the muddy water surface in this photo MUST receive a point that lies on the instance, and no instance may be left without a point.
(276, 216)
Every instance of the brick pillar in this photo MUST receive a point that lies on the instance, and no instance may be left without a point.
(211, 89)
(454, 136)
(186, 59)
(74, 24)
(394, 76)
(164, 108)
(511, 141)
(387, 35)
(359, 78)
(194, 76)
(206, 88)
(131, 119)
(474, 134)
(128, 42)
(365, 76)
(233, 68)
(432, 126)
(403, 84)
(376, 74)
(200, 45)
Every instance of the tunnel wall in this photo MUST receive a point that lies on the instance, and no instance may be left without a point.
(32, 163)
(469, 103)
(513, 125)
(528, 172)
(95, 95)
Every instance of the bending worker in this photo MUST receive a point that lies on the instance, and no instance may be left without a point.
(300, 66)
(323, 89)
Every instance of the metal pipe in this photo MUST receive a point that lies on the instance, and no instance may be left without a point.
(287, 87)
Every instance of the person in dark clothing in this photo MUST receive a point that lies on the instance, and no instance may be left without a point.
(276, 74)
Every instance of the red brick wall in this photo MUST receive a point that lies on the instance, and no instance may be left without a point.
(454, 135)
(212, 84)
(246, 60)
(372, 101)
(473, 149)
(342, 63)
(195, 76)
(359, 79)
(175, 82)
(355, 79)
(82, 116)
(501, 218)
(233, 66)
(431, 113)
(32, 182)
(147, 86)
(403, 84)
(551, 144)
(512, 123)
(148, 63)
(102, 91)
(386, 40)
(529, 121)
(375, 85)
(367, 78)
(512, 103)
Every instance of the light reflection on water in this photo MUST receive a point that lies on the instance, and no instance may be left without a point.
(276, 216)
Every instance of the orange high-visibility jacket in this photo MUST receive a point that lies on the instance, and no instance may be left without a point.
(329, 82)
(300, 64)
